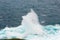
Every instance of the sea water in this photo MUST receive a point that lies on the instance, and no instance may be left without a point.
(31, 29)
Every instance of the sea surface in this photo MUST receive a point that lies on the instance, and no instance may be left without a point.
(11, 11)
(30, 29)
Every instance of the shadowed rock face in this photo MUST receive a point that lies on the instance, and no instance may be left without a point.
(13, 39)
(11, 11)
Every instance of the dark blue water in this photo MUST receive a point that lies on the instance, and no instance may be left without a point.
(11, 11)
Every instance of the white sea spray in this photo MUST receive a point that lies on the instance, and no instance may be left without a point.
(31, 29)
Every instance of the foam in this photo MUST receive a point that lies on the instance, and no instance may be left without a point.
(31, 29)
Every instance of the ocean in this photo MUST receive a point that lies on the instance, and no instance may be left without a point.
(11, 11)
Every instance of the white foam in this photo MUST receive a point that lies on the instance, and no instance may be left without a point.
(30, 29)
(29, 25)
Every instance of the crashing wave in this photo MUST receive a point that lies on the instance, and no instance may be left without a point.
(31, 29)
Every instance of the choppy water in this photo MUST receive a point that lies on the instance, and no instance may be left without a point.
(11, 11)
(30, 29)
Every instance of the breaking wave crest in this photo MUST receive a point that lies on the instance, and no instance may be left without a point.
(31, 29)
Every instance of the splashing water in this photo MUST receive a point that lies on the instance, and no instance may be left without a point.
(30, 29)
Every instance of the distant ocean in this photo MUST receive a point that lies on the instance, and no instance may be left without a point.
(11, 11)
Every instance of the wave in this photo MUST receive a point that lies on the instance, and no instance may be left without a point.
(31, 29)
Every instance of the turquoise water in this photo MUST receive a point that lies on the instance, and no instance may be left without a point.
(48, 11)
(50, 29)
(30, 29)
